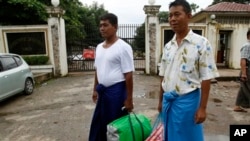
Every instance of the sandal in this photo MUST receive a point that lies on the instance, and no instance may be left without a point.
(240, 110)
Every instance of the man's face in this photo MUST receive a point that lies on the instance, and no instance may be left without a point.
(178, 19)
(107, 29)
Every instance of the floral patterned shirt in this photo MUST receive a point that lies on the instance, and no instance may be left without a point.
(184, 67)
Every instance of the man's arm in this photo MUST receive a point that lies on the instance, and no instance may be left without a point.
(95, 94)
(129, 87)
(201, 113)
(160, 96)
(243, 62)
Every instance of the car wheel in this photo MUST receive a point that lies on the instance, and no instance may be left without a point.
(28, 87)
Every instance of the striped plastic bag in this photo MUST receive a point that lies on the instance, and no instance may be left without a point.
(157, 133)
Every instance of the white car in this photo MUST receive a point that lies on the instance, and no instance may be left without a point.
(15, 76)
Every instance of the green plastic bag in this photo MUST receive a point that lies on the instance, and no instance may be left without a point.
(132, 127)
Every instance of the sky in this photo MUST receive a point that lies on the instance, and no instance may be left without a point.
(131, 11)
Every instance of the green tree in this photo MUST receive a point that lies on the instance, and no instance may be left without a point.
(92, 25)
(139, 43)
(163, 16)
(77, 17)
(21, 12)
(194, 7)
(88, 16)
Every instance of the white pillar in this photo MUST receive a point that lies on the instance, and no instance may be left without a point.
(151, 32)
(58, 40)
(213, 36)
(2, 49)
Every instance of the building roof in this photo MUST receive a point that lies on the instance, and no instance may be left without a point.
(228, 7)
(222, 9)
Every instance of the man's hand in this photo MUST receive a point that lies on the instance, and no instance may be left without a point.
(243, 77)
(95, 96)
(200, 115)
(128, 104)
(160, 107)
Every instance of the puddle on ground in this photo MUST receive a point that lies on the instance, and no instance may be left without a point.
(149, 95)
(216, 100)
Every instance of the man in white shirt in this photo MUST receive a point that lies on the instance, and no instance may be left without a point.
(187, 66)
(113, 85)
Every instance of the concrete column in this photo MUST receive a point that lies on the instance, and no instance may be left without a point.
(213, 36)
(151, 32)
(2, 49)
(57, 40)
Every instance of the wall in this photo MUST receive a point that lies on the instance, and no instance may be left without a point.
(55, 40)
(19, 29)
(211, 32)
(51, 44)
(238, 38)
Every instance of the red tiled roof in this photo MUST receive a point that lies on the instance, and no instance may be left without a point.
(229, 6)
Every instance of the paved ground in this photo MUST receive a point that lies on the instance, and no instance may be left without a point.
(61, 109)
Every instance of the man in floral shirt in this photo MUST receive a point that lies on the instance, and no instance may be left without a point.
(187, 66)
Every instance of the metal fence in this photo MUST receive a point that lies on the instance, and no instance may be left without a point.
(75, 48)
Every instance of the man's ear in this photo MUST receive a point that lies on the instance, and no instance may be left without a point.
(116, 26)
(189, 15)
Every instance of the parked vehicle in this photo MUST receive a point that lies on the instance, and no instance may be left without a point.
(15, 76)
(89, 53)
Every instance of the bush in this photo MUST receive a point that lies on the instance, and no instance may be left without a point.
(36, 60)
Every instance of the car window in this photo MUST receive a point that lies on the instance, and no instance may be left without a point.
(8, 63)
(18, 60)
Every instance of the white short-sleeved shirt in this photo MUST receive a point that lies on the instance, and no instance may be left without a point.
(111, 63)
(184, 67)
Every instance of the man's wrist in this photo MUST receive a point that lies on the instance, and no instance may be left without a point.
(243, 75)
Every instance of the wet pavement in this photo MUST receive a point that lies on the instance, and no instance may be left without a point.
(61, 109)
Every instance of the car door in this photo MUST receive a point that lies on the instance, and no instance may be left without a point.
(20, 73)
(5, 87)
(9, 77)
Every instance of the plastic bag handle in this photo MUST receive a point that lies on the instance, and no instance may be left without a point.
(131, 126)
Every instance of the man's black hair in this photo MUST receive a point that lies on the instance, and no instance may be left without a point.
(111, 17)
(186, 6)
(248, 33)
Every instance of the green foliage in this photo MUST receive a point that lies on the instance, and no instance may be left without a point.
(88, 29)
(194, 7)
(97, 10)
(21, 12)
(163, 16)
(36, 60)
(77, 17)
(139, 43)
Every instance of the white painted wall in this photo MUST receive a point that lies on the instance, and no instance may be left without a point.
(211, 32)
(238, 39)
